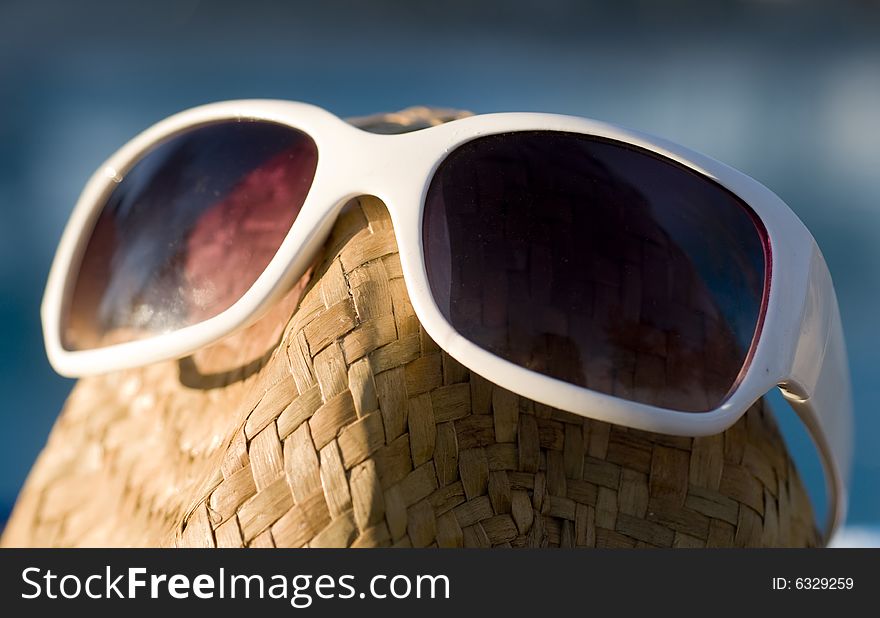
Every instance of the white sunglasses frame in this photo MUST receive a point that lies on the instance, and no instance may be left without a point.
(800, 347)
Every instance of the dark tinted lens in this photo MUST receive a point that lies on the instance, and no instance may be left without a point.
(188, 230)
(596, 263)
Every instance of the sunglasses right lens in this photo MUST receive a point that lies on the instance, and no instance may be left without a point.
(187, 231)
(597, 263)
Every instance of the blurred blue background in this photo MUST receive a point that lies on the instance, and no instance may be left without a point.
(787, 91)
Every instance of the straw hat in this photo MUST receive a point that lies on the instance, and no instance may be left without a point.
(336, 421)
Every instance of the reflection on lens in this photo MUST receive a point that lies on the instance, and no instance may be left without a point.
(597, 263)
(188, 230)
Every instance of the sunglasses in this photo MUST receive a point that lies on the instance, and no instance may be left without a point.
(584, 266)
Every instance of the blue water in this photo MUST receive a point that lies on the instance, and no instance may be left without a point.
(787, 92)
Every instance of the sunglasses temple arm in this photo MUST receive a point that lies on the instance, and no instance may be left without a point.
(820, 390)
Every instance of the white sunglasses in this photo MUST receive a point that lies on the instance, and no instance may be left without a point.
(584, 266)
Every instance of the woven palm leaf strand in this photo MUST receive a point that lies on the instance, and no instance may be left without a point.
(335, 421)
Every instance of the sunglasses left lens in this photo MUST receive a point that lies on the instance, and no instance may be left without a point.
(187, 231)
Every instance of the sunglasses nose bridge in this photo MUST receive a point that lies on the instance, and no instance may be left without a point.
(385, 165)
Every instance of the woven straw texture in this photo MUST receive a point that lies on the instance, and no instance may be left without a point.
(335, 421)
